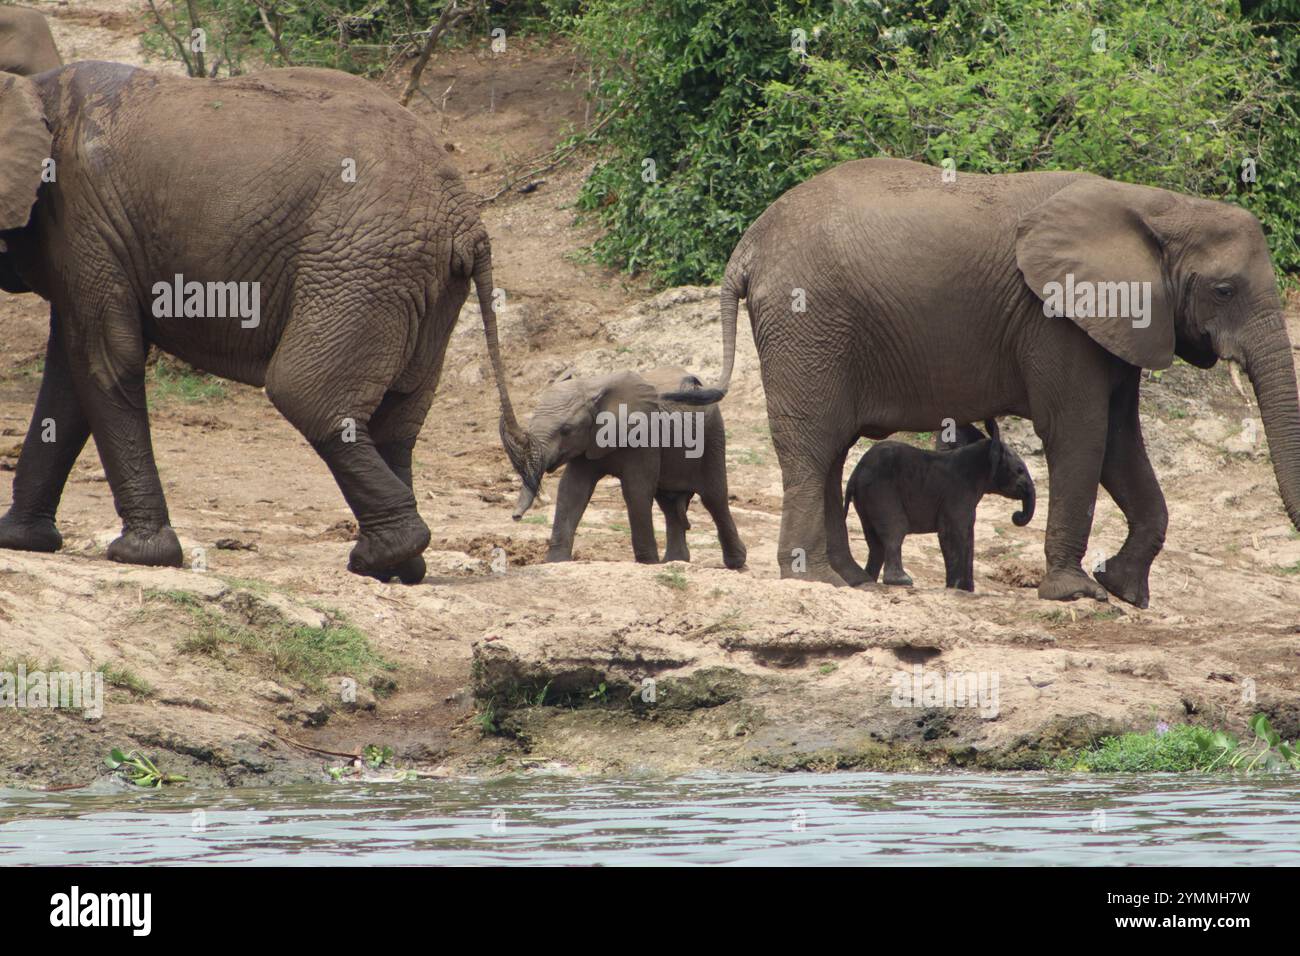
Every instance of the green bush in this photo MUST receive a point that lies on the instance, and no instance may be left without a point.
(360, 36)
(713, 93)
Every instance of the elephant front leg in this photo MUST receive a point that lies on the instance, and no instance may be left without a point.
(577, 485)
(638, 495)
(55, 438)
(1127, 475)
(1074, 456)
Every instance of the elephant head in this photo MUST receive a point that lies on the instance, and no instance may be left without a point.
(1198, 281)
(575, 417)
(1009, 476)
(26, 143)
(567, 424)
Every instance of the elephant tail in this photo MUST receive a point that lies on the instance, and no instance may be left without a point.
(513, 437)
(848, 500)
(734, 285)
(733, 290)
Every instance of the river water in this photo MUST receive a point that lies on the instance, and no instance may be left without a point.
(871, 818)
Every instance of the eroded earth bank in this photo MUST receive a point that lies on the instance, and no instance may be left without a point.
(236, 675)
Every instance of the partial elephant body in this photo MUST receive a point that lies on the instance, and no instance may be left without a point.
(884, 299)
(900, 490)
(573, 427)
(313, 198)
(26, 45)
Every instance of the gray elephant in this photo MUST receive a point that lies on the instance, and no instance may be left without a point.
(26, 45)
(649, 432)
(900, 490)
(295, 230)
(884, 299)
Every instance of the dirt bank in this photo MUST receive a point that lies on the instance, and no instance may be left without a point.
(236, 675)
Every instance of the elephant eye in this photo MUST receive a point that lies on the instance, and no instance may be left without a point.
(1223, 290)
(566, 429)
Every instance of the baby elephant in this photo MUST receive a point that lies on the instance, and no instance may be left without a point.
(660, 434)
(901, 490)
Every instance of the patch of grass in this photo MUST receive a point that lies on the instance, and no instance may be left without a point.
(305, 654)
(125, 679)
(172, 381)
(311, 654)
(747, 456)
(486, 719)
(10, 665)
(536, 519)
(1185, 748)
(1288, 569)
(186, 599)
(672, 578)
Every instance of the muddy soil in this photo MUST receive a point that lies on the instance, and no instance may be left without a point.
(274, 663)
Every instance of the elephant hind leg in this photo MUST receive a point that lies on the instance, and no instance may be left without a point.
(837, 529)
(674, 505)
(55, 438)
(331, 390)
(105, 352)
(810, 457)
(394, 427)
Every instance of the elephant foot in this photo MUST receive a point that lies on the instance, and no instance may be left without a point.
(410, 571)
(34, 535)
(391, 551)
(555, 557)
(159, 549)
(682, 555)
(898, 580)
(821, 574)
(1127, 580)
(1068, 584)
(735, 560)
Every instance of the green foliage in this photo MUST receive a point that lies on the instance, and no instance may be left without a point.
(172, 380)
(1173, 94)
(139, 769)
(1183, 748)
(360, 36)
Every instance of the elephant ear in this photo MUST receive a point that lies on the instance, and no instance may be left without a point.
(1106, 234)
(627, 390)
(26, 145)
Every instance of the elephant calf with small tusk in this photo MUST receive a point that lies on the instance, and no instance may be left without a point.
(660, 434)
(900, 490)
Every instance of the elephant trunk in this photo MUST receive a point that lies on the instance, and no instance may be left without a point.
(526, 496)
(1026, 512)
(1267, 360)
(534, 466)
(513, 437)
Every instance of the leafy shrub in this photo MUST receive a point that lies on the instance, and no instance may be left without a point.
(714, 93)
(360, 36)
(1184, 747)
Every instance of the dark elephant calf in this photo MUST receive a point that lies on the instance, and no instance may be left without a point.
(901, 490)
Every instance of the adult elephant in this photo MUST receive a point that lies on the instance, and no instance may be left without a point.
(884, 299)
(26, 45)
(295, 230)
